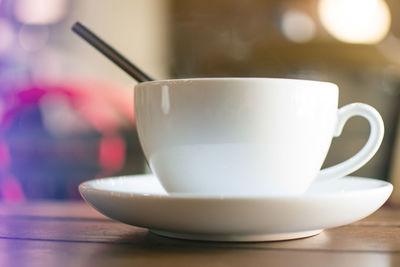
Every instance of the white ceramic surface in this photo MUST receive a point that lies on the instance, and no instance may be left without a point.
(243, 136)
(142, 201)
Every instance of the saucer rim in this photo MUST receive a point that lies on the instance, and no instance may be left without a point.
(86, 186)
(239, 219)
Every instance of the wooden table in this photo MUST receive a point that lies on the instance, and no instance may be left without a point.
(73, 234)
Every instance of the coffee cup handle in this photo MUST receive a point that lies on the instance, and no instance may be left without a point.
(367, 152)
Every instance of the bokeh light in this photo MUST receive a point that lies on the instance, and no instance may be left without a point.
(33, 38)
(7, 35)
(355, 21)
(297, 26)
(40, 11)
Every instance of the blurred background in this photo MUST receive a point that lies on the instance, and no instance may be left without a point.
(66, 112)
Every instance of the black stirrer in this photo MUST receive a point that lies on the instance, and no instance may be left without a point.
(110, 53)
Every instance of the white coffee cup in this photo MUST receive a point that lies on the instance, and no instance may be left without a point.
(245, 136)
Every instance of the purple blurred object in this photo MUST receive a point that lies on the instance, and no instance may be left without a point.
(54, 143)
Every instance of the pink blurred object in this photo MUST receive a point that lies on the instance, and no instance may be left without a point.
(10, 189)
(106, 107)
(54, 135)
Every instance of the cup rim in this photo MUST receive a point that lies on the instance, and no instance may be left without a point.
(246, 79)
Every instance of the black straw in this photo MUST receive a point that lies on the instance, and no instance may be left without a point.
(110, 53)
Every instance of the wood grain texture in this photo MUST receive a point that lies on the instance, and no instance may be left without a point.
(45, 253)
(73, 234)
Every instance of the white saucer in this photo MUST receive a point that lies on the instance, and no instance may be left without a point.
(140, 200)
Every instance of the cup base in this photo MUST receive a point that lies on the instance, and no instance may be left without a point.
(238, 238)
